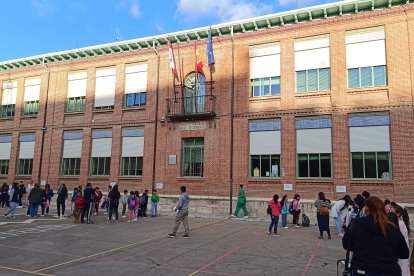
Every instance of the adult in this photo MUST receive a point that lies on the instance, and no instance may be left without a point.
(35, 198)
(62, 195)
(114, 197)
(4, 195)
(376, 243)
(98, 197)
(21, 192)
(403, 225)
(13, 195)
(285, 211)
(182, 214)
(48, 194)
(339, 211)
(241, 203)
(296, 209)
(274, 204)
(323, 205)
(88, 204)
(143, 202)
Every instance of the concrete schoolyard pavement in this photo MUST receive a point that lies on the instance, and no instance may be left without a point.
(51, 246)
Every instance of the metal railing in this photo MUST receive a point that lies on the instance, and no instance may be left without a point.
(194, 106)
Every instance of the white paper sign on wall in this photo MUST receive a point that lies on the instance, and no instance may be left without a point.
(340, 188)
(159, 186)
(288, 187)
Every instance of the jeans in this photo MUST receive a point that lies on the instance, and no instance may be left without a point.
(154, 206)
(275, 222)
(87, 210)
(60, 204)
(34, 207)
(284, 220)
(338, 224)
(12, 209)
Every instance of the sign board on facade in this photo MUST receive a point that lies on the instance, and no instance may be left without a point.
(172, 159)
(43, 182)
(159, 186)
(194, 126)
(288, 187)
(340, 188)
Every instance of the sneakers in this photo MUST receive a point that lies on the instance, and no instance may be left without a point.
(276, 235)
(233, 216)
(296, 225)
(245, 217)
(340, 234)
(320, 238)
(268, 232)
(124, 216)
(171, 235)
(329, 237)
(186, 237)
(286, 227)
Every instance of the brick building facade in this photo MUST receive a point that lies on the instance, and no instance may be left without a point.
(226, 139)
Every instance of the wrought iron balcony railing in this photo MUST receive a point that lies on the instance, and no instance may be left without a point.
(191, 108)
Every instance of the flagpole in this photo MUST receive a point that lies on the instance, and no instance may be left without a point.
(179, 62)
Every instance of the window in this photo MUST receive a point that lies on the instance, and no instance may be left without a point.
(25, 167)
(131, 166)
(132, 151)
(264, 70)
(101, 152)
(30, 108)
(135, 85)
(313, 80)
(314, 165)
(31, 96)
(77, 82)
(100, 166)
(265, 87)
(26, 153)
(105, 88)
(135, 99)
(367, 76)
(4, 167)
(71, 166)
(314, 147)
(8, 100)
(370, 145)
(194, 93)
(312, 64)
(192, 163)
(75, 104)
(366, 57)
(5, 147)
(265, 148)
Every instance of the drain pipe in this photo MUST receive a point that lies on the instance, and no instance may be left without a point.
(231, 122)
(154, 155)
(44, 64)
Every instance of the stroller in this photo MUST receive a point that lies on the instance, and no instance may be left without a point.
(343, 266)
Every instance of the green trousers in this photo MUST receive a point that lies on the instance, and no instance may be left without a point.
(239, 206)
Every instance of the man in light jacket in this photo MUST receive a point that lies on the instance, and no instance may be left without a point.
(182, 214)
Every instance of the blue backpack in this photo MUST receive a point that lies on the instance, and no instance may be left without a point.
(142, 200)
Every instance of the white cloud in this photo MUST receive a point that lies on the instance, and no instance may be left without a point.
(43, 7)
(131, 5)
(300, 3)
(134, 9)
(226, 10)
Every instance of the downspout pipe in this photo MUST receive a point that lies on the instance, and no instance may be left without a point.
(154, 155)
(44, 64)
(231, 122)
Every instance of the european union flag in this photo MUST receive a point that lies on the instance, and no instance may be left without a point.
(210, 54)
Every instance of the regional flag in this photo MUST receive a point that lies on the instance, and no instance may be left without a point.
(210, 54)
(172, 60)
(199, 63)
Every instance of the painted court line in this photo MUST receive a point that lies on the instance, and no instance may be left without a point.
(23, 271)
(114, 249)
(311, 258)
(227, 254)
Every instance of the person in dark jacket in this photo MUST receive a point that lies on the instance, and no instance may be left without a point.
(143, 203)
(4, 195)
(114, 197)
(376, 243)
(21, 192)
(47, 197)
(62, 195)
(35, 198)
(88, 203)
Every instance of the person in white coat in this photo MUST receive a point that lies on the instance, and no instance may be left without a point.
(338, 211)
(403, 220)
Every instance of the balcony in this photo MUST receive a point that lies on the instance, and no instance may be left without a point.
(191, 108)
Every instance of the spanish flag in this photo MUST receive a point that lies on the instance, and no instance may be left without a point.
(198, 62)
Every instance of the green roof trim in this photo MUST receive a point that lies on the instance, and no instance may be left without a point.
(241, 26)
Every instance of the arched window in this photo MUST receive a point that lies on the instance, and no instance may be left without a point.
(194, 93)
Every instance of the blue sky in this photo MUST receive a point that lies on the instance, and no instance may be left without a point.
(33, 27)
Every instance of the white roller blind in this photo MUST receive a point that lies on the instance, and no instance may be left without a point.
(309, 43)
(9, 93)
(264, 61)
(77, 82)
(31, 89)
(312, 59)
(72, 148)
(371, 53)
(105, 87)
(132, 146)
(26, 150)
(101, 147)
(316, 140)
(372, 138)
(5, 151)
(136, 82)
(265, 142)
(364, 35)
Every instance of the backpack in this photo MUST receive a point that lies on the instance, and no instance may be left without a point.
(131, 203)
(142, 200)
(290, 208)
(305, 221)
(269, 210)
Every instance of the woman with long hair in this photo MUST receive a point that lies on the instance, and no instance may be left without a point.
(376, 243)
(62, 195)
(323, 205)
(114, 197)
(296, 210)
(276, 207)
(339, 211)
(285, 211)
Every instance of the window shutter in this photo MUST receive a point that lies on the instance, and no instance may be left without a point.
(101, 143)
(264, 61)
(9, 93)
(265, 142)
(5, 147)
(31, 89)
(77, 82)
(105, 87)
(136, 78)
(72, 145)
(312, 53)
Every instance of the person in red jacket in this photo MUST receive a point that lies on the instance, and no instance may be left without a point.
(276, 207)
(78, 206)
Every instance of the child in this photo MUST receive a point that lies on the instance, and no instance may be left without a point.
(124, 200)
(72, 201)
(78, 206)
(388, 207)
(132, 202)
(155, 198)
(136, 210)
